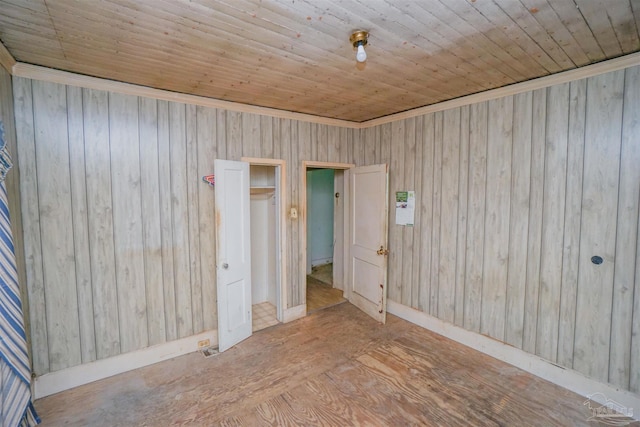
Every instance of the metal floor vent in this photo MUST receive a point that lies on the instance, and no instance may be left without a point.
(210, 351)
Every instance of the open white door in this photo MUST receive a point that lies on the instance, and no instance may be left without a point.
(368, 240)
(233, 249)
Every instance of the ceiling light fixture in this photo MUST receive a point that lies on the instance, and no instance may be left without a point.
(359, 40)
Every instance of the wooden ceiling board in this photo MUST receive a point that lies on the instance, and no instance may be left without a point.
(546, 16)
(296, 56)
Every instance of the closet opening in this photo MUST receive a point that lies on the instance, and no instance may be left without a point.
(267, 272)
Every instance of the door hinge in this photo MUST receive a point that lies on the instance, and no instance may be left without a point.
(382, 251)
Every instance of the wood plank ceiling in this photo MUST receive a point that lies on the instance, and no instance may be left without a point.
(295, 55)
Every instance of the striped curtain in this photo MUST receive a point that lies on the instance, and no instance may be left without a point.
(16, 407)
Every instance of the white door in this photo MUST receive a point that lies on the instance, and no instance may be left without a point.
(368, 240)
(233, 249)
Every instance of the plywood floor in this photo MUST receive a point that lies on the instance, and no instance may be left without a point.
(336, 367)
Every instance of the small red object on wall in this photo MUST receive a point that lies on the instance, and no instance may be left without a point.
(209, 179)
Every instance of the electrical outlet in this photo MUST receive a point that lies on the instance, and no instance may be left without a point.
(204, 343)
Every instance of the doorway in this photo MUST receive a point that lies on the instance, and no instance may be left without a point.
(324, 198)
(267, 272)
(263, 206)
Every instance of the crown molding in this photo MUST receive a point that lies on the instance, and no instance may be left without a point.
(37, 72)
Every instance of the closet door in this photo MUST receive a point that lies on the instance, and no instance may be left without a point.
(233, 243)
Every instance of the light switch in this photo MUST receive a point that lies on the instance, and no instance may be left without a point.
(294, 213)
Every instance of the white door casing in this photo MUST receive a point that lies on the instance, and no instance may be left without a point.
(233, 252)
(368, 213)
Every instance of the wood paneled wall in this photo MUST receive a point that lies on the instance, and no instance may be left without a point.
(516, 195)
(12, 183)
(120, 245)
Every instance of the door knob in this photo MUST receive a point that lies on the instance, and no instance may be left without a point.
(382, 251)
(225, 265)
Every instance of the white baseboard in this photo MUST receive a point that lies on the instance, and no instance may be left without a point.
(293, 313)
(563, 377)
(75, 376)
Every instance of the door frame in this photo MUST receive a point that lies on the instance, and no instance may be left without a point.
(302, 215)
(281, 233)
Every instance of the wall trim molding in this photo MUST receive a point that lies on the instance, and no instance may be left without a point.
(7, 61)
(563, 377)
(294, 313)
(36, 72)
(75, 376)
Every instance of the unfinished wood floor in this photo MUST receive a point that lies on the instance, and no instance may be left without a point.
(336, 367)
(321, 295)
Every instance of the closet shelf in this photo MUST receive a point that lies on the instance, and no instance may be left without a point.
(262, 190)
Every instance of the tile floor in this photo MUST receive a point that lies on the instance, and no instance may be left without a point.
(264, 315)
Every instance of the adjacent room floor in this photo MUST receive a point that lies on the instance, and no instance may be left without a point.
(336, 367)
(320, 291)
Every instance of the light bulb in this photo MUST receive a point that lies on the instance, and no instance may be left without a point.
(361, 55)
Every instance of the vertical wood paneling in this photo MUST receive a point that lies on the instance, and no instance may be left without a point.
(266, 137)
(298, 287)
(370, 137)
(193, 181)
(599, 213)
(449, 214)
(234, 135)
(344, 146)
(627, 237)
(56, 227)
(359, 148)
(333, 144)
(534, 242)
(277, 146)
(323, 143)
(166, 221)
(221, 134)
(101, 244)
(426, 213)
(313, 149)
(303, 143)
(285, 153)
(127, 226)
(151, 229)
(396, 183)
(519, 218)
(250, 135)
(12, 184)
(416, 256)
(80, 224)
(450, 165)
(463, 183)
(630, 130)
(436, 203)
(25, 133)
(180, 218)
(408, 243)
(496, 245)
(206, 137)
(573, 210)
(476, 206)
(553, 220)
